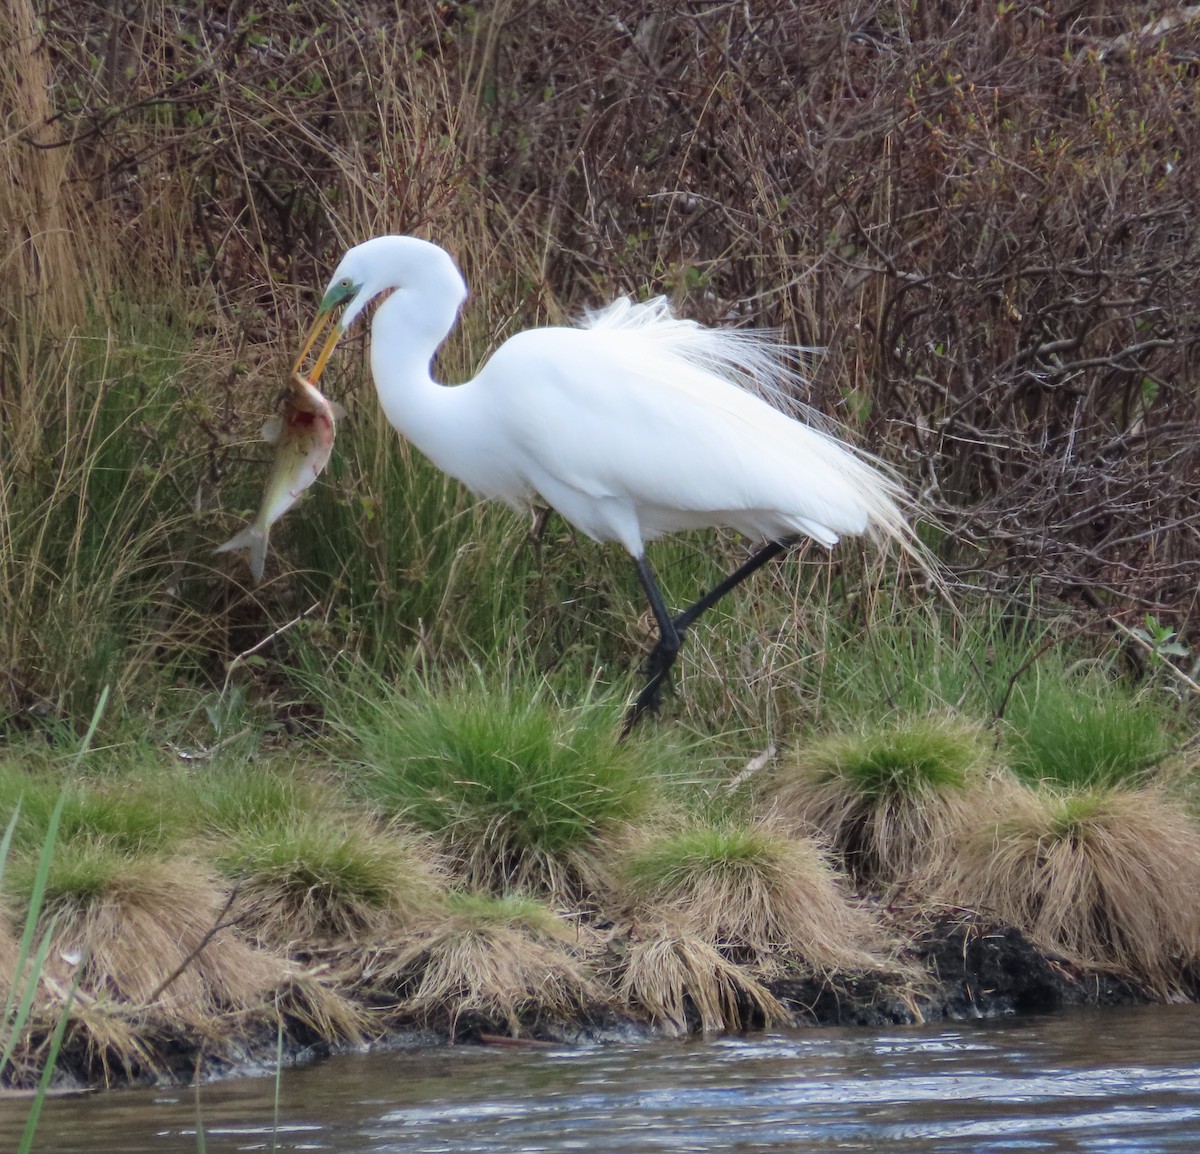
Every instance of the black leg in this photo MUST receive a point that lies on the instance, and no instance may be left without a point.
(671, 629)
(541, 514)
(755, 562)
(662, 656)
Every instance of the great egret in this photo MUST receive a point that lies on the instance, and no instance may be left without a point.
(634, 424)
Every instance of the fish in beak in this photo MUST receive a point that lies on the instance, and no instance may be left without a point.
(339, 294)
(302, 434)
(303, 437)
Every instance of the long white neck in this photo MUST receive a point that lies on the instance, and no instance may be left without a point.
(406, 333)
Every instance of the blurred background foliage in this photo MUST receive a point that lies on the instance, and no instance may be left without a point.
(982, 213)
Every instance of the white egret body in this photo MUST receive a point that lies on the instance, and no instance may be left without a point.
(632, 425)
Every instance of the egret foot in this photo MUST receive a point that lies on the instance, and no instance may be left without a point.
(657, 672)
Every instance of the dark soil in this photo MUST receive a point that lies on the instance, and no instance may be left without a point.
(984, 970)
(957, 967)
(976, 968)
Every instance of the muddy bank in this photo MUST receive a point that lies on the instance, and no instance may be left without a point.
(957, 967)
(975, 968)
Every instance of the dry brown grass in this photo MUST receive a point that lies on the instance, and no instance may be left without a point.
(509, 960)
(9, 949)
(893, 800)
(145, 926)
(1109, 878)
(674, 974)
(753, 890)
(110, 1042)
(159, 961)
(43, 266)
(320, 1007)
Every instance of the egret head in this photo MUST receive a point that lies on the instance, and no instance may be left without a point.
(403, 263)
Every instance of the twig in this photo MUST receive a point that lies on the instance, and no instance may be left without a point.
(1149, 648)
(217, 926)
(265, 642)
(205, 754)
(757, 762)
(1055, 639)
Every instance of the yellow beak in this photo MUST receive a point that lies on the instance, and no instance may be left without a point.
(324, 316)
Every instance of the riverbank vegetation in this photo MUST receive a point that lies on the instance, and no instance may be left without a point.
(384, 790)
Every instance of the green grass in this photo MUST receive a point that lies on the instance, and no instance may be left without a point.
(315, 878)
(83, 872)
(513, 910)
(237, 797)
(409, 553)
(130, 817)
(314, 858)
(721, 851)
(519, 788)
(95, 514)
(21, 975)
(822, 643)
(1072, 817)
(890, 797)
(1088, 732)
(910, 759)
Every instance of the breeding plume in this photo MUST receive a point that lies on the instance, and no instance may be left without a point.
(634, 424)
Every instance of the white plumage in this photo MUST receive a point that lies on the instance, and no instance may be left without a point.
(634, 424)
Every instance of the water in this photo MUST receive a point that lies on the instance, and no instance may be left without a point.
(1113, 1080)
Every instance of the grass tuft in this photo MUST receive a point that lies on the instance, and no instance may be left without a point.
(889, 799)
(507, 959)
(752, 890)
(135, 922)
(314, 880)
(1086, 736)
(1108, 877)
(676, 976)
(521, 792)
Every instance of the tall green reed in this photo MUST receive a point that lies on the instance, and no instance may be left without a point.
(96, 519)
(24, 982)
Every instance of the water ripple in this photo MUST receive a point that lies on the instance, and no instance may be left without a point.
(1085, 1083)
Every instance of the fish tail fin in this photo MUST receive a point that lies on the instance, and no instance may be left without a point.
(254, 539)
